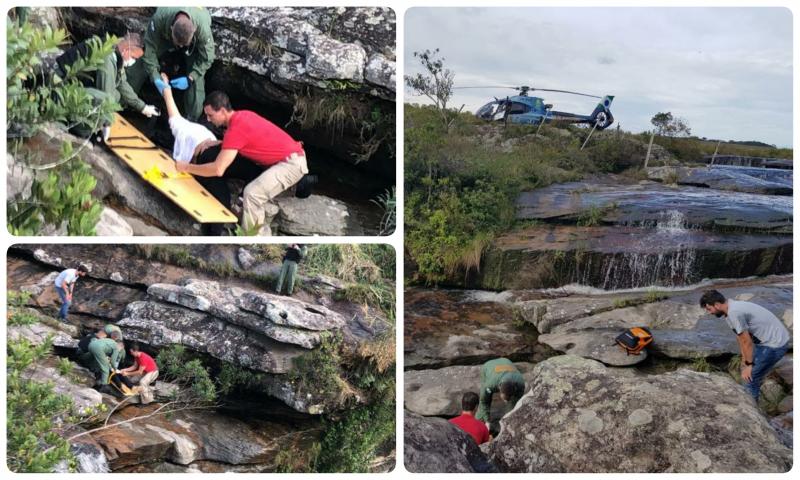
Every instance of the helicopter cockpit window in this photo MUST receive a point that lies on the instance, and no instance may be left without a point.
(538, 104)
(486, 111)
(517, 108)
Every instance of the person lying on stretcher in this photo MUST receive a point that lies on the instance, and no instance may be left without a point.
(188, 135)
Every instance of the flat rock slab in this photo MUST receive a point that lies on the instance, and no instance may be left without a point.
(681, 328)
(438, 392)
(593, 344)
(738, 179)
(444, 328)
(651, 203)
(581, 416)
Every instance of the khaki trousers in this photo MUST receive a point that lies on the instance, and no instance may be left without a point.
(146, 393)
(258, 207)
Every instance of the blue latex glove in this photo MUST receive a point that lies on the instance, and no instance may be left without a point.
(160, 85)
(181, 83)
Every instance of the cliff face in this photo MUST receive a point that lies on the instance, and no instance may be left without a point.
(279, 344)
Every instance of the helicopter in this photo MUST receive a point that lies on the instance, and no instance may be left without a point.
(527, 110)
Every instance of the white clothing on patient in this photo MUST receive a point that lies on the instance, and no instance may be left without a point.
(187, 136)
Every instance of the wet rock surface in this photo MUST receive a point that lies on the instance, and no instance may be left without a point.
(445, 328)
(580, 416)
(613, 258)
(738, 179)
(646, 203)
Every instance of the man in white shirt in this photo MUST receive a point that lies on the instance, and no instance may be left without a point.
(65, 283)
(763, 338)
(188, 135)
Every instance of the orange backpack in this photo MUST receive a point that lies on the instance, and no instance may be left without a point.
(634, 340)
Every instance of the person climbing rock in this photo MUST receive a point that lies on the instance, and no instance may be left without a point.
(253, 149)
(145, 369)
(178, 41)
(467, 421)
(65, 284)
(499, 375)
(103, 357)
(109, 80)
(294, 253)
(188, 135)
(763, 339)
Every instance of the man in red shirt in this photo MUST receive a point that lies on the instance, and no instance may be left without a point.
(145, 367)
(279, 160)
(467, 421)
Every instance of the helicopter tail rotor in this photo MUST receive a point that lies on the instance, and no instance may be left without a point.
(601, 115)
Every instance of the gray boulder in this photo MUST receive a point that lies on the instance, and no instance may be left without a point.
(432, 445)
(581, 416)
(381, 71)
(111, 224)
(315, 215)
(328, 58)
(161, 325)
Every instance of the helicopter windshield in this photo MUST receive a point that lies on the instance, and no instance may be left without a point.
(487, 111)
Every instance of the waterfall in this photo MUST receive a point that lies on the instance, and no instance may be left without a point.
(665, 258)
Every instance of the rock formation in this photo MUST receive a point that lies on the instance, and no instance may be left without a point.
(580, 416)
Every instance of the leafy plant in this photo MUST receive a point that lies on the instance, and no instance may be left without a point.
(36, 97)
(175, 365)
(64, 195)
(388, 203)
(33, 413)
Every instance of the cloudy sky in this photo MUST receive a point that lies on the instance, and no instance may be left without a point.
(726, 71)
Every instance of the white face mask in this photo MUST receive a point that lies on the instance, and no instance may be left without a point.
(129, 62)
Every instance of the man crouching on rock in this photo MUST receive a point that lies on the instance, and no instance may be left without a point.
(499, 375)
(762, 337)
(253, 149)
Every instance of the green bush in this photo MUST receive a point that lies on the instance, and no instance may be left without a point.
(319, 370)
(350, 443)
(176, 365)
(34, 98)
(33, 410)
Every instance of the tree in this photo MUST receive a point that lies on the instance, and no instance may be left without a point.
(669, 126)
(436, 84)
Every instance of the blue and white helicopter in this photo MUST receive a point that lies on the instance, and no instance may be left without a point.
(523, 109)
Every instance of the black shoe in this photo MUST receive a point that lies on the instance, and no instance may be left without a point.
(305, 185)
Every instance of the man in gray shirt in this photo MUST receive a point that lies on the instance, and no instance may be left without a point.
(763, 338)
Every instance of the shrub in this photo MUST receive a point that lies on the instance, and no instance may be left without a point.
(33, 413)
(34, 98)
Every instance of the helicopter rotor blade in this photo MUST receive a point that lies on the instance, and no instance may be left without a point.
(565, 91)
(490, 86)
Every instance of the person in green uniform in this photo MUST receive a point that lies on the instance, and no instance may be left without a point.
(291, 258)
(177, 39)
(115, 333)
(109, 80)
(499, 375)
(105, 355)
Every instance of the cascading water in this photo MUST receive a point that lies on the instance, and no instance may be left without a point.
(665, 259)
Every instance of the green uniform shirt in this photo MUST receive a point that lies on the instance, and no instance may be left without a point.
(105, 348)
(110, 79)
(493, 373)
(158, 40)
